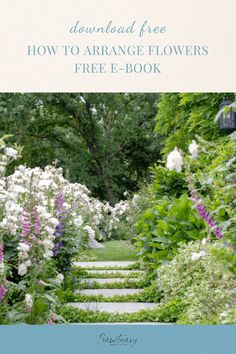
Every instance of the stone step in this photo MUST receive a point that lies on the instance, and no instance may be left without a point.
(108, 265)
(113, 307)
(118, 271)
(90, 281)
(108, 292)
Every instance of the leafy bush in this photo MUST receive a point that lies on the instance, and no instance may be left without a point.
(183, 115)
(166, 183)
(166, 225)
(200, 281)
(213, 174)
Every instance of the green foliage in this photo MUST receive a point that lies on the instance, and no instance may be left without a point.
(214, 176)
(127, 284)
(166, 183)
(162, 228)
(148, 294)
(228, 316)
(183, 115)
(46, 299)
(135, 266)
(72, 243)
(105, 141)
(170, 311)
(113, 274)
(167, 313)
(204, 286)
(73, 315)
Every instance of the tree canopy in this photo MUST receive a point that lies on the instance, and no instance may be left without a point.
(106, 141)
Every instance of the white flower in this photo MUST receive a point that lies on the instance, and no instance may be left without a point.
(82, 99)
(28, 263)
(48, 254)
(78, 221)
(196, 256)
(41, 209)
(11, 152)
(204, 241)
(66, 205)
(44, 183)
(90, 231)
(2, 170)
(48, 244)
(28, 300)
(19, 189)
(93, 110)
(23, 255)
(202, 254)
(1, 268)
(22, 269)
(23, 247)
(49, 230)
(54, 222)
(175, 160)
(59, 278)
(193, 149)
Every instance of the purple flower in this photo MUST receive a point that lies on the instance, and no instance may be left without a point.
(203, 212)
(60, 202)
(56, 248)
(3, 291)
(218, 232)
(31, 225)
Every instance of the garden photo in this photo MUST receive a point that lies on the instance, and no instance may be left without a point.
(117, 208)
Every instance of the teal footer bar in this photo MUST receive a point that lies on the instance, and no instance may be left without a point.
(89, 339)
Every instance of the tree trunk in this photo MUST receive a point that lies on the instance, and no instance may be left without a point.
(107, 186)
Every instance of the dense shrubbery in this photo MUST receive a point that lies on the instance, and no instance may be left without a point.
(213, 175)
(196, 203)
(45, 222)
(161, 228)
(198, 280)
(183, 223)
(181, 116)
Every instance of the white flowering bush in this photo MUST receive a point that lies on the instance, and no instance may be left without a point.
(45, 221)
(119, 220)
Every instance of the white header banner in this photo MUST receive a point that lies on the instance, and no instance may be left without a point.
(117, 45)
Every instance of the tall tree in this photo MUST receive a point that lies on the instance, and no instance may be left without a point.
(106, 141)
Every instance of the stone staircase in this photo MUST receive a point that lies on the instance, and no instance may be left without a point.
(116, 272)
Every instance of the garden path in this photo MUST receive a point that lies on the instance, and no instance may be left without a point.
(101, 279)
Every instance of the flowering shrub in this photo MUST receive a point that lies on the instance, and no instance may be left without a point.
(198, 280)
(193, 197)
(212, 180)
(118, 220)
(45, 221)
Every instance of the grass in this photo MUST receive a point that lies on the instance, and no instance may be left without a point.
(127, 284)
(171, 311)
(113, 251)
(134, 266)
(74, 315)
(114, 274)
